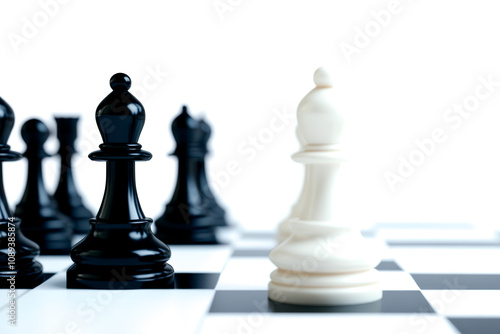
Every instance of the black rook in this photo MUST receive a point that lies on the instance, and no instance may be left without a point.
(66, 195)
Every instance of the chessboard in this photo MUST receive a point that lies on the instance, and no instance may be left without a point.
(437, 278)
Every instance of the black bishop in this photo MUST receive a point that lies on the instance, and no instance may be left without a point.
(120, 251)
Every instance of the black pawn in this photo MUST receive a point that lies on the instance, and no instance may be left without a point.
(27, 271)
(43, 222)
(192, 214)
(120, 251)
(66, 195)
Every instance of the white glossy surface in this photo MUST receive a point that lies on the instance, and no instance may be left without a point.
(325, 296)
(319, 121)
(199, 259)
(323, 261)
(326, 324)
(104, 311)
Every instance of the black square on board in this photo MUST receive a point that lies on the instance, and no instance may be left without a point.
(477, 325)
(196, 280)
(388, 265)
(246, 301)
(457, 281)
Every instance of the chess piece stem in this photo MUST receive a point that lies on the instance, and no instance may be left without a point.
(120, 200)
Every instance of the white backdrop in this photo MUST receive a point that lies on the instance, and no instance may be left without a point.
(419, 82)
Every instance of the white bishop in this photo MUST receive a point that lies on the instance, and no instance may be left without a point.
(322, 261)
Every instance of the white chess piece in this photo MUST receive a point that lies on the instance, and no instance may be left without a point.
(324, 261)
(284, 230)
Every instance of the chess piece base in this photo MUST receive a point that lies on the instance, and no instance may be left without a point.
(28, 272)
(119, 278)
(120, 256)
(53, 235)
(26, 278)
(324, 263)
(324, 296)
(325, 289)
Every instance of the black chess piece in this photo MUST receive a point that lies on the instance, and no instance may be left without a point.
(17, 253)
(215, 209)
(193, 213)
(43, 222)
(66, 195)
(120, 251)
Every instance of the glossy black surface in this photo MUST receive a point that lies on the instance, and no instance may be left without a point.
(216, 210)
(27, 271)
(196, 280)
(66, 195)
(42, 221)
(192, 214)
(120, 251)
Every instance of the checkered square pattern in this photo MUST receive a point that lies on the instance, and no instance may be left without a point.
(437, 278)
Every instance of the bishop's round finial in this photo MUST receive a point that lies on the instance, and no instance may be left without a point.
(322, 78)
(120, 81)
(6, 121)
(120, 116)
(35, 132)
(319, 122)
